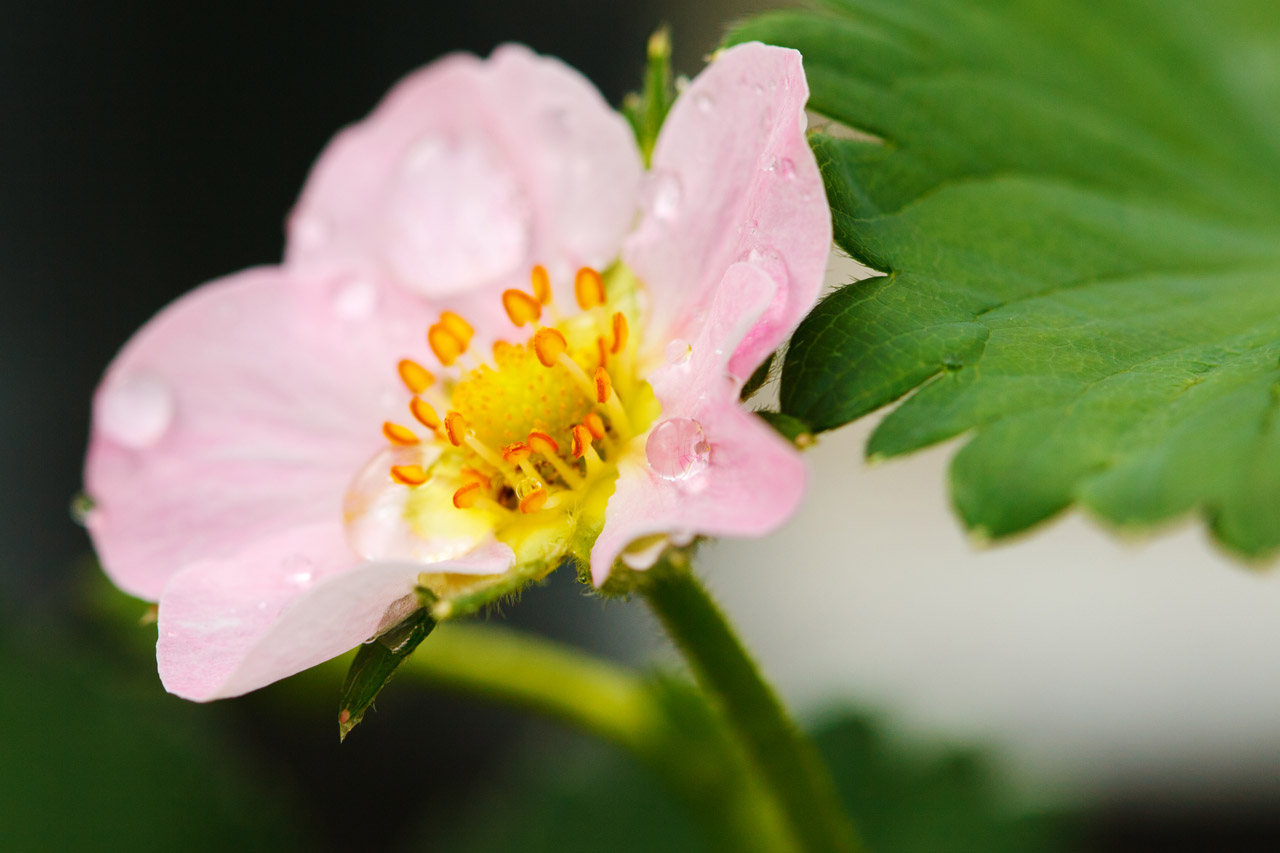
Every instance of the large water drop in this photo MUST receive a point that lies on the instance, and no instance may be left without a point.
(677, 449)
(136, 411)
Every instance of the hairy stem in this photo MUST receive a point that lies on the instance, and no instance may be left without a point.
(663, 722)
(787, 761)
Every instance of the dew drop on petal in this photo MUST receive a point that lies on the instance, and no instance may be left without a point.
(786, 168)
(677, 449)
(770, 164)
(664, 196)
(355, 299)
(703, 102)
(310, 232)
(678, 351)
(136, 411)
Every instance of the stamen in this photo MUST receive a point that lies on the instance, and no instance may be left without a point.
(541, 284)
(515, 453)
(544, 444)
(460, 328)
(602, 349)
(455, 427)
(521, 307)
(409, 475)
(604, 385)
(445, 343)
(397, 434)
(620, 332)
(549, 345)
(588, 287)
(595, 424)
(424, 413)
(416, 377)
(471, 475)
(581, 440)
(534, 501)
(467, 496)
(540, 442)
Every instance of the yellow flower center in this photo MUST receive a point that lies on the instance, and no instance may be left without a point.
(526, 446)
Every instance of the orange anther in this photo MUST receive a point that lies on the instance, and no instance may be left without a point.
(445, 344)
(595, 424)
(534, 501)
(602, 348)
(471, 475)
(581, 440)
(549, 345)
(603, 385)
(455, 426)
(516, 452)
(620, 332)
(540, 442)
(397, 434)
(409, 475)
(466, 497)
(460, 328)
(424, 413)
(521, 307)
(541, 284)
(416, 377)
(588, 286)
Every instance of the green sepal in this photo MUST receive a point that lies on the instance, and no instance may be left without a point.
(758, 379)
(792, 429)
(647, 110)
(374, 664)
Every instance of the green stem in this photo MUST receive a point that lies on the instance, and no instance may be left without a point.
(665, 723)
(786, 759)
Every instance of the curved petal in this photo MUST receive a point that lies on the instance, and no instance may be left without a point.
(734, 179)
(708, 466)
(470, 172)
(228, 627)
(239, 412)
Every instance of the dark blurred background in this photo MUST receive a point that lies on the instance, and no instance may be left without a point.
(146, 147)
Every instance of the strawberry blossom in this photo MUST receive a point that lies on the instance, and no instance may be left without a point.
(495, 344)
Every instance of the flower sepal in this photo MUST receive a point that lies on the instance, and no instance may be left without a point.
(376, 661)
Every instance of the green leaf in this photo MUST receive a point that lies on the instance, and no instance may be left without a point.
(374, 664)
(792, 429)
(1076, 206)
(647, 109)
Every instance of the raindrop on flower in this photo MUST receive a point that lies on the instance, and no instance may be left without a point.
(678, 351)
(786, 168)
(677, 449)
(136, 411)
(355, 299)
(703, 102)
(664, 196)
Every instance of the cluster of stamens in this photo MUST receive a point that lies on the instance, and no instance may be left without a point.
(531, 472)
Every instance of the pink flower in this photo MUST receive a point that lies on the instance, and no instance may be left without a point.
(280, 459)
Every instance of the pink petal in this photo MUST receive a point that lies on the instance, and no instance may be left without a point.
(240, 412)
(734, 180)
(229, 627)
(468, 174)
(709, 467)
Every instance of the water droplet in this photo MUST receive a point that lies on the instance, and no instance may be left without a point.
(664, 196)
(355, 299)
(298, 569)
(310, 232)
(758, 89)
(81, 507)
(677, 449)
(370, 640)
(423, 153)
(703, 102)
(136, 411)
(678, 351)
(770, 164)
(786, 168)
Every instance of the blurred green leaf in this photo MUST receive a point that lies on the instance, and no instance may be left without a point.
(374, 664)
(95, 757)
(572, 795)
(1076, 205)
